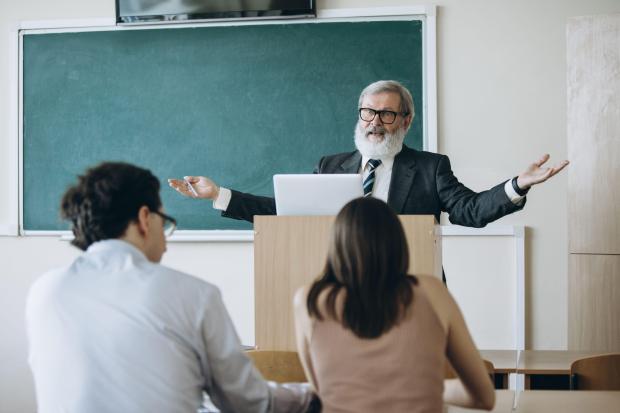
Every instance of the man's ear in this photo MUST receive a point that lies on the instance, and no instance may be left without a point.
(143, 220)
(407, 121)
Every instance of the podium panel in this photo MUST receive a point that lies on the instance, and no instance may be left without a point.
(290, 252)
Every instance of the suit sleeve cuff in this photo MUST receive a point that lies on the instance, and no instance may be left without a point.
(510, 192)
(223, 199)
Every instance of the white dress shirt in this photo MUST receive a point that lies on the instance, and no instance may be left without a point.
(383, 176)
(114, 332)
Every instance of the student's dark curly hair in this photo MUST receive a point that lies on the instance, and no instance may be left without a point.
(106, 199)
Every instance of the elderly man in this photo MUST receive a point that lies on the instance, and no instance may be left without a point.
(410, 181)
(115, 331)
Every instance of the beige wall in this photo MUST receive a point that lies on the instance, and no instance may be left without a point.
(502, 103)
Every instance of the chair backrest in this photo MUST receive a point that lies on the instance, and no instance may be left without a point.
(596, 373)
(278, 366)
(449, 372)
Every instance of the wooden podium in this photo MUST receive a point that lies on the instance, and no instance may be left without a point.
(290, 251)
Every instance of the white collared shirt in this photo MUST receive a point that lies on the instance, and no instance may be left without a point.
(383, 177)
(114, 332)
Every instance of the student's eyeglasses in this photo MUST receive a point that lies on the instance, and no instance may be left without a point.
(387, 116)
(170, 224)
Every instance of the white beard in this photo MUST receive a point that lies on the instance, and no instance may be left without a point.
(391, 144)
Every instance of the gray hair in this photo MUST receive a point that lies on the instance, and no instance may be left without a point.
(390, 86)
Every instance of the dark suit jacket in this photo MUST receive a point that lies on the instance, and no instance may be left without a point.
(422, 183)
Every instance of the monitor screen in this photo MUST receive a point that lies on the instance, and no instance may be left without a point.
(145, 11)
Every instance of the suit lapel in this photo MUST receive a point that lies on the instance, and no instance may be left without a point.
(352, 164)
(403, 173)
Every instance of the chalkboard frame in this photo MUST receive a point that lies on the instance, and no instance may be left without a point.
(425, 14)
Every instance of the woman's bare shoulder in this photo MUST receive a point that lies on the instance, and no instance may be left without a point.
(301, 297)
(431, 285)
(438, 296)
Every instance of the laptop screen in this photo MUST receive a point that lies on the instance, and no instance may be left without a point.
(315, 194)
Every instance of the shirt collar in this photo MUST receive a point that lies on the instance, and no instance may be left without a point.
(385, 162)
(116, 245)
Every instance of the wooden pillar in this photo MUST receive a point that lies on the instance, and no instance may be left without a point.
(593, 130)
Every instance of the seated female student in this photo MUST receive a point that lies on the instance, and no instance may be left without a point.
(371, 337)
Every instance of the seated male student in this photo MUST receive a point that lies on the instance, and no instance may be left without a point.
(115, 331)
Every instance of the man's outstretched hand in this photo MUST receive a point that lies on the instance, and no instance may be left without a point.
(536, 173)
(205, 188)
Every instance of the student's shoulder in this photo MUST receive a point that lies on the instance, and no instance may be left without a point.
(438, 296)
(187, 282)
(179, 276)
(47, 288)
(431, 283)
(301, 297)
(48, 280)
(432, 286)
(435, 289)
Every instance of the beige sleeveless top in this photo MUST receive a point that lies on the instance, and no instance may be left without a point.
(401, 371)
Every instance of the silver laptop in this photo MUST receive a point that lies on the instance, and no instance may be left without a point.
(315, 194)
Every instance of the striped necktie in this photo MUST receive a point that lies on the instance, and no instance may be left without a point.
(370, 179)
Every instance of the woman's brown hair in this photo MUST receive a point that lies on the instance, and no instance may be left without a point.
(368, 257)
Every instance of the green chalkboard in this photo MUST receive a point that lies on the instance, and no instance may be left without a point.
(236, 103)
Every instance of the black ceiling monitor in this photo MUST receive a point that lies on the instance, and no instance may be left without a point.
(177, 11)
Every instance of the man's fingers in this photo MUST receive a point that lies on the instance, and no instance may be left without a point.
(557, 168)
(192, 179)
(561, 166)
(204, 189)
(548, 174)
(536, 174)
(182, 191)
(542, 160)
(180, 186)
(174, 182)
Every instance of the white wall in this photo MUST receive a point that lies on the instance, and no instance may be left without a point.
(482, 277)
(502, 103)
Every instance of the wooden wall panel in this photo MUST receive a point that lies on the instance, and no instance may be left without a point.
(594, 199)
(594, 302)
(593, 129)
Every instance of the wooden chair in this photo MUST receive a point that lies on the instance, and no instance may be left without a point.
(278, 366)
(596, 373)
(449, 372)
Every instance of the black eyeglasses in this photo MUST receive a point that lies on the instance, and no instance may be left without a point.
(170, 224)
(387, 116)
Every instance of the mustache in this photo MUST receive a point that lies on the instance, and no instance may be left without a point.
(374, 129)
